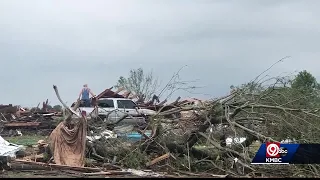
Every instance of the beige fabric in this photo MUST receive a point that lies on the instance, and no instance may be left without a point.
(68, 145)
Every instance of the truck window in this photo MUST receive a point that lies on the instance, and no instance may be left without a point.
(106, 103)
(127, 104)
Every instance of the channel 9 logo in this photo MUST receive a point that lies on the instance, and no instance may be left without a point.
(274, 152)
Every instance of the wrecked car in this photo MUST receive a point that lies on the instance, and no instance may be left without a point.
(111, 110)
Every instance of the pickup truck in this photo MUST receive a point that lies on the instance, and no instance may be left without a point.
(112, 109)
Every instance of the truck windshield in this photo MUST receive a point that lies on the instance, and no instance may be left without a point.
(105, 103)
(127, 104)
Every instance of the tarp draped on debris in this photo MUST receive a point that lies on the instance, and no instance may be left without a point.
(8, 149)
(68, 144)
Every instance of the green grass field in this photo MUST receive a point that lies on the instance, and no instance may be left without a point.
(27, 140)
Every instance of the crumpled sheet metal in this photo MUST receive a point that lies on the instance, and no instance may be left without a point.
(9, 149)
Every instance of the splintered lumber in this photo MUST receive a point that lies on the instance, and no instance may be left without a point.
(22, 124)
(56, 166)
(158, 159)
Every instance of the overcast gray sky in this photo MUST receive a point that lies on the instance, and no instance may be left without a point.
(223, 42)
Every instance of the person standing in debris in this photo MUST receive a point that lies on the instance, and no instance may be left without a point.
(85, 95)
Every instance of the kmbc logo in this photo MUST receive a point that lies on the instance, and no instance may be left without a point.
(274, 152)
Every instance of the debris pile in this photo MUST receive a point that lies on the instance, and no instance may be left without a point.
(15, 120)
(185, 138)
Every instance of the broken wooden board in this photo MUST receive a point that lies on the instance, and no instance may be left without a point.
(56, 166)
(22, 124)
(158, 159)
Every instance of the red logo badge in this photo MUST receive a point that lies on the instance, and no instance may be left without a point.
(272, 149)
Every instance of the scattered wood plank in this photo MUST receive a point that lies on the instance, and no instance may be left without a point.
(56, 166)
(22, 124)
(158, 159)
(15, 166)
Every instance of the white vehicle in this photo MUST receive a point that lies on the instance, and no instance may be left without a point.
(112, 109)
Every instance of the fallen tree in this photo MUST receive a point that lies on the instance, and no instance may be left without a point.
(196, 145)
(256, 112)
